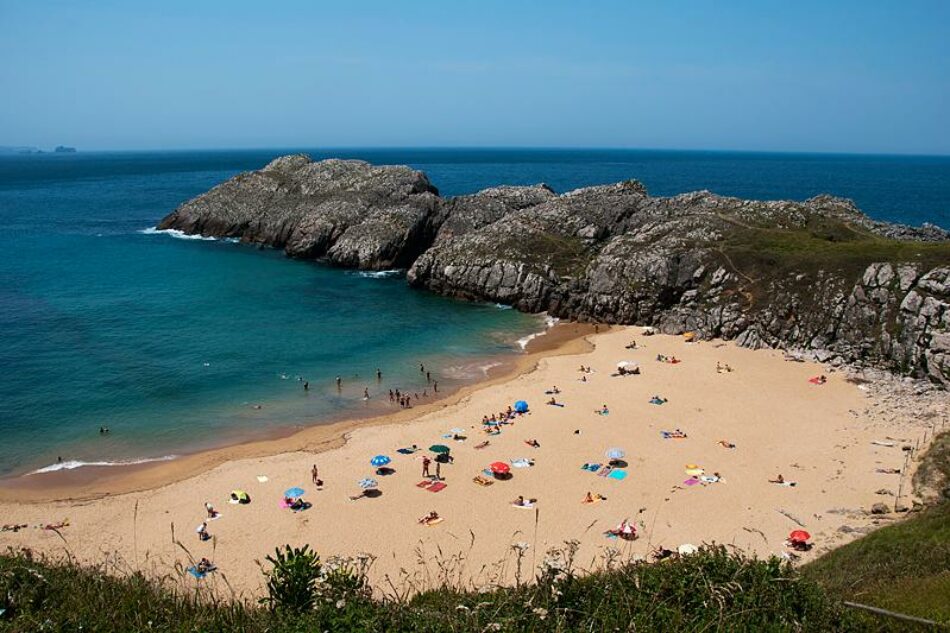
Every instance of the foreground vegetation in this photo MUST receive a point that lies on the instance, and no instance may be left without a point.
(904, 567)
(712, 590)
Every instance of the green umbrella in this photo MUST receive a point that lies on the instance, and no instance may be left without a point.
(439, 448)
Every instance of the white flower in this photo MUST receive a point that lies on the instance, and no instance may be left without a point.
(340, 603)
(541, 613)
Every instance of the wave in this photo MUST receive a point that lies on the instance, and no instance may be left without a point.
(549, 322)
(380, 274)
(73, 464)
(502, 306)
(181, 235)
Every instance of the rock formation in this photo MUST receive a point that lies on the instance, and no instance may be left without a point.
(817, 275)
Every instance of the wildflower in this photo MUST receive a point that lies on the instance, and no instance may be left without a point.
(340, 603)
(541, 613)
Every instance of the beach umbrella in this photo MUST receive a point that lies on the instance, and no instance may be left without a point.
(615, 453)
(366, 484)
(626, 363)
(439, 448)
(294, 493)
(240, 495)
(380, 460)
(799, 535)
(499, 468)
(521, 406)
(457, 431)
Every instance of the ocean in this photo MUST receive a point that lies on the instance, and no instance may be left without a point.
(173, 343)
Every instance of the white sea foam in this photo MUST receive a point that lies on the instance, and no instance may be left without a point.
(549, 322)
(380, 274)
(181, 235)
(72, 464)
(502, 306)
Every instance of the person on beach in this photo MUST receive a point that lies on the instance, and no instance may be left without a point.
(306, 385)
(432, 517)
(379, 375)
(604, 410)
(314, 474)
(103, 430)
(422, 368)
(533, 443)
(425, 466)
(365, 393)
(204, 566)
(203, 531)
(212, 513)
(552, 401)
(435, 386)
(339, 383)
(428, 377)
(438, 470)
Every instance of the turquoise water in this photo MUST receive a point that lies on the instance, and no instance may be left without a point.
(170, 342)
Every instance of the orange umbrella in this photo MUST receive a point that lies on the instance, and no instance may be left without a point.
(499, 468)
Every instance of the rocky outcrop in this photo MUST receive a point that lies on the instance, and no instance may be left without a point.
(346, 212)
(817, 276)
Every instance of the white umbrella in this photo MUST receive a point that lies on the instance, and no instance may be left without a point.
(627, 363)
(615, 453)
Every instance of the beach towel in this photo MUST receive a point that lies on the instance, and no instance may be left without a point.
(197, 574)
(815, 380)
(437, 487)
(671, 435)
(882, 443)
(406, 451)
(433, 522)
(425, 483)
(692, 481)
(591, 467)
(618, 474)
(605, 471)
(602, 412)
(556, 404)
(527, 505)
(521, 462)
(709, 479)
(482, 481)
(262, 479)
(694, 472)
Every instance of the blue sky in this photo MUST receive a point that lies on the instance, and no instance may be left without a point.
(755, 75)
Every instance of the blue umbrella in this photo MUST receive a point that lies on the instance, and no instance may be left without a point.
(521, 406)
(366, 484)
(615, 453)
(380, 460)
(294, 493)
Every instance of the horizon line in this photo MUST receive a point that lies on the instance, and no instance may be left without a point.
(528, 148)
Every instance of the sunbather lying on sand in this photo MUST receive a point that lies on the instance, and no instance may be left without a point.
(56, 526)
(603, 410)
(590, 499)
(13, 527)
(533, 443)
(624, 530)
(722, 368)
(553, 389)
(521, 502)
(430, 518)
(888, 471)
(661, 553)
(726, 444)
(482, 444)
(780, 480)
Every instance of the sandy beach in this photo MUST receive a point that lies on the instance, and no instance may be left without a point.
(829, 439)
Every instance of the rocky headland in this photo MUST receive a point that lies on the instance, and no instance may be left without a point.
(816, 276)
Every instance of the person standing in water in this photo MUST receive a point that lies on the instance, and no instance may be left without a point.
(422, 368)
(306, 385)
(339, 383)
(365, 393)
(379, 375)
(435, 386)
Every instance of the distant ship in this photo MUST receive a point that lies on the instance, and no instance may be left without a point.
(62, 149)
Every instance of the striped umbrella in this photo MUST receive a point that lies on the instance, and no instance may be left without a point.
(615, 453)
(366, 484)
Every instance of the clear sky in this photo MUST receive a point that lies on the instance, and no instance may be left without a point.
(826, 76)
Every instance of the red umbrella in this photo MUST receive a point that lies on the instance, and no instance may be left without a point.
(499, 468)
(799, 535)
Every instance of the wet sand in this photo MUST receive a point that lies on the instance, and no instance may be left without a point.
(819, 436)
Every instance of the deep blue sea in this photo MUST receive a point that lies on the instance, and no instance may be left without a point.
(171, 342)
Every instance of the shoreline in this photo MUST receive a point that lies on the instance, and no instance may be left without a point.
(92, 482)
(837, 443)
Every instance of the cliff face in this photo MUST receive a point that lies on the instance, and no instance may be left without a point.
(816, 275)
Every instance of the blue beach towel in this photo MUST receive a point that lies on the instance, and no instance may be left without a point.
(619, 475)
(591, 467)
(194, 572)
